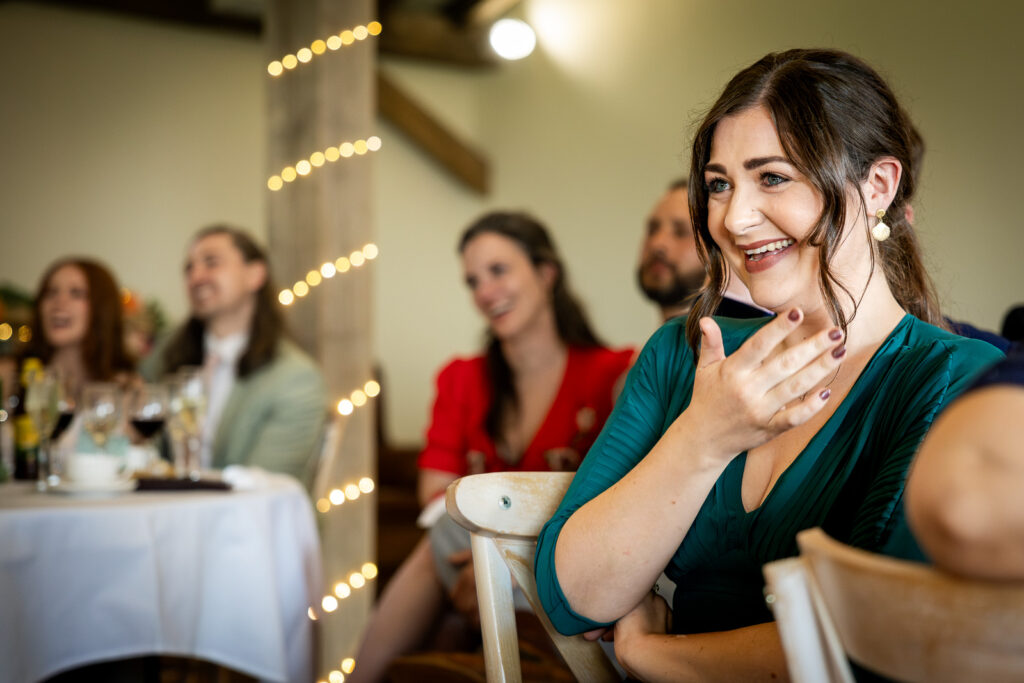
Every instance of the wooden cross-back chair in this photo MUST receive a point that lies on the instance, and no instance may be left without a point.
(504, 512)
(904, 620)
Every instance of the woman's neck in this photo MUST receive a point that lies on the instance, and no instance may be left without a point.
(67, 362)
(534, 350)
(877, 313)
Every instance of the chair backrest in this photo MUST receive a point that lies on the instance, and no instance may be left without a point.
(330, 446)
(504, 512)
(900, 619)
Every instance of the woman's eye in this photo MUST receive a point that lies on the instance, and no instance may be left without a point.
(471, 282)
(716, 185)
(772, 179)
(498, 269)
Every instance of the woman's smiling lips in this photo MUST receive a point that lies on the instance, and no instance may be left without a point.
(760, 256)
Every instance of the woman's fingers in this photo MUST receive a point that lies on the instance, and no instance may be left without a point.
(762, 344)
(794, 371)
(712, 350)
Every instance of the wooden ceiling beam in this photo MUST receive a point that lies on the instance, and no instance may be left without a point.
(454, 155)
(432, 36)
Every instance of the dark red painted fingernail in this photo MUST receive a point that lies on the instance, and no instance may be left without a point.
(825, 393)
(839, 353)
(794, 315)
(835, 334)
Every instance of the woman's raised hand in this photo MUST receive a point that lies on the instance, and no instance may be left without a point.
(763, 388)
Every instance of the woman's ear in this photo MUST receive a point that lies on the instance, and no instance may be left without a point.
(548, 273)
(882, 182)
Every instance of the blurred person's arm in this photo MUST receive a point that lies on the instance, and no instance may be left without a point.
(964, 491)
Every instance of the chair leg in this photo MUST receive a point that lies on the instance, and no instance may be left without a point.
(497, 613)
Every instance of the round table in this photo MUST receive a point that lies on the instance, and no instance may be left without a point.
(222, 576)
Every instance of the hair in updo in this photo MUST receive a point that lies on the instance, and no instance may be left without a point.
(835, 117)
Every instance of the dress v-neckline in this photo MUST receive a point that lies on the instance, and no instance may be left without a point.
(830, 426)
(555, 401)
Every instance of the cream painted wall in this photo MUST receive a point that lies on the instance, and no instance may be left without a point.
(120, 137)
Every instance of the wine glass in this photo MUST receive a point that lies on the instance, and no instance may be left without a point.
(147, 411)
(41, 392)
(101, 411)
(187, 414)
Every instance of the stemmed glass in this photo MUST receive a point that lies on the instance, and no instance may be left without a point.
(101, 407)
(41, 393)
(147, 410)
(187, 414)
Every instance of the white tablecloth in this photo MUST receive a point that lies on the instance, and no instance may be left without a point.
(221, 576)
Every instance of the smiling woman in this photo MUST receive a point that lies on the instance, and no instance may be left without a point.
(732, 436)
(534, 401)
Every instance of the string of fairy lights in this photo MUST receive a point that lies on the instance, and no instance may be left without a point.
(317, 159)
(328, 270)
(320, 46)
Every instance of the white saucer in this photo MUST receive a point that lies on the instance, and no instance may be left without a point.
(94, 488)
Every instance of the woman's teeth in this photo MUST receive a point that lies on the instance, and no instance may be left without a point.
(756, 254)
(500, 310)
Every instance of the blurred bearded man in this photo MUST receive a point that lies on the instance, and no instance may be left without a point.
(670, 272)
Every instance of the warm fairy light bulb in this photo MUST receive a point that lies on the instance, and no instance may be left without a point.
(303, 167)
(357, 580)
(512, 39)
(328, 270)
(373, 143)
(332, 154)
(336, 677)
(286, 297)
(345, 407)
(348, 665)
(370, 251)
(313, 278)
(24, 334)
(329, 603)
(366, 485)
(336, 496)
(318, 47)
(342, 264)
(342, 590)
(323, 505)
(360, 32)
(333, 43)
(351, 491)
(289, 61)
(300, 288)
(347, 37)
(346, 149)
(371, 388)
(374, 28)
(288, 174)
(6, 331)
(358, 398)
(311, 614)
(274, 183)
(360, 147)
(370, 570)
(317, 159)
(357, 258)
(275, 68)
(304, 55)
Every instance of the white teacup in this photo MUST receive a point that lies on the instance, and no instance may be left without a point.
(95, 468)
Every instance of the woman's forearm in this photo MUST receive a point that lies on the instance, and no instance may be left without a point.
(626, 536)
(753, 653)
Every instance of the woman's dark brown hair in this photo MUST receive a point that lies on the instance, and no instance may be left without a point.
(570, 319)
(266, 331)
(835, 117)
(104, 353)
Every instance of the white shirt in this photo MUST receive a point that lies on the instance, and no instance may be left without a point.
(221, 365)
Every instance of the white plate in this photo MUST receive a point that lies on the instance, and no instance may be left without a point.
(93, 488)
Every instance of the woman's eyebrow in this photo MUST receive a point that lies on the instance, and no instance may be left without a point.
(716, 168)
(751, 164)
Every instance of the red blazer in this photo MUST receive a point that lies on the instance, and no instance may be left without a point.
(457, 440)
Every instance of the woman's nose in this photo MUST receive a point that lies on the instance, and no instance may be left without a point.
(742, 213)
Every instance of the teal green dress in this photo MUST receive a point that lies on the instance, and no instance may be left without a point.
(849, 478)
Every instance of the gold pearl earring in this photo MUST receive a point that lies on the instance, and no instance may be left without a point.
(881, 231)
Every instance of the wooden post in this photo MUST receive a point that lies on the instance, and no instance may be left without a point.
(315, 219)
